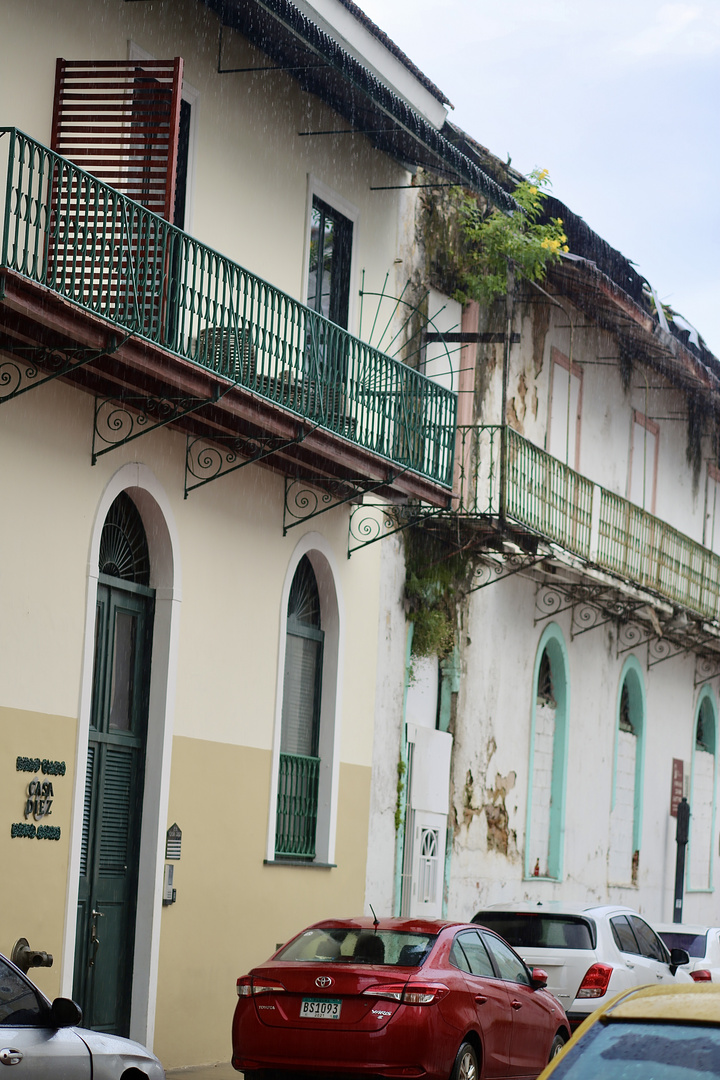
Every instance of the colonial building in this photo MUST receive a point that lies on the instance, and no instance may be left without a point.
(579, 569)
(201, 380)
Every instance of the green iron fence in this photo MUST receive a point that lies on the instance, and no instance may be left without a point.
(640, 547)
(297, 806)
(92, 245)
(559, 504)
(546, 495)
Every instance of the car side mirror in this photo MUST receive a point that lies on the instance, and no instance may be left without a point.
(538, 978)
(678, 957)
(65, 1013)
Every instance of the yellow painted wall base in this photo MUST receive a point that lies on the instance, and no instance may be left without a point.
(34, 907)
(232, 909)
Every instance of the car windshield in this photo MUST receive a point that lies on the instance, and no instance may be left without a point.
(640, 1050)
(530, 931)
(351, 945)
(693, 944)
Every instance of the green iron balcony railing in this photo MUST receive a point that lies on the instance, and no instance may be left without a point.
(558, 504)
(66, 230)
(297, 806)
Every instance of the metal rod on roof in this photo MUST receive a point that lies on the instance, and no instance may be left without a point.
(403, 187)
(350, 131)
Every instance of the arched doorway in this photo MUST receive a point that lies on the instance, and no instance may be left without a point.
(112, 811)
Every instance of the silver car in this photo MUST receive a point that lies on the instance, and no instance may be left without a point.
(45, 1043)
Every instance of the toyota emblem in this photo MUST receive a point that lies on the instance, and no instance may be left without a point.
(323, 981)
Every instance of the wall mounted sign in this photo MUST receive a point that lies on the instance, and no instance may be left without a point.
(676, 786)
(39, 799)
(173, 842)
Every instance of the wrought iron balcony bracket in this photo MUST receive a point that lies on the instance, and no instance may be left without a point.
(39, 364)
(491, 570)
(208, 459)
(706, 669)
(308, 497)
(592, 606)
(120, 420)
(661, 649)
(372, 522)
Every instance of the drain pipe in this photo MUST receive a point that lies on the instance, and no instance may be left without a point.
(402, 802)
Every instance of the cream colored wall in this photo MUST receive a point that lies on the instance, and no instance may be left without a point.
(35, 870)
(234, 563)
(231, 910)
(251, 166)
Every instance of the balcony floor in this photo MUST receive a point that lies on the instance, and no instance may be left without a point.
(32, 317)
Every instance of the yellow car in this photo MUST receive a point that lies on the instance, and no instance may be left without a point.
(649, 1033)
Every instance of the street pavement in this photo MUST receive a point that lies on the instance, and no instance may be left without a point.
(221, 1070)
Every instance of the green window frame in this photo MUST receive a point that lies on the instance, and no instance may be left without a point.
(630, 717)
(705, 731)
(550, 683)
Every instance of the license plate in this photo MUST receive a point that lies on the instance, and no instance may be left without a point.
(320, 1008)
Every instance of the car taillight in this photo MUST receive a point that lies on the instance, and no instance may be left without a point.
(409, 993)
(394, 991)
(424, 993)
(701, 975)
(596, 980)
(248, 987)
(263, 986)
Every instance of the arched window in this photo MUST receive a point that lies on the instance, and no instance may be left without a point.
(299, 768)
(626, 802)
(545, 826)
(702, 796)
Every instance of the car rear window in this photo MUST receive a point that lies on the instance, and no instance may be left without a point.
(530, 931)
(639, 1050)
(396, 948)
(693, 944)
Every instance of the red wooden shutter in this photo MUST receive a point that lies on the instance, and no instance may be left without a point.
(119, 120)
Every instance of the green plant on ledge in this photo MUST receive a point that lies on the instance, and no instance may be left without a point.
(492, 238)
(436, 582)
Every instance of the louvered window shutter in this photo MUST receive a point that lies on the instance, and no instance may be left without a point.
(120, 121)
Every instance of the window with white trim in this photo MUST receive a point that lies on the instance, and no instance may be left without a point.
(702, 797)
(625, 810)
(563, 438)
(546, 790)
(642, 479)
(299, 767)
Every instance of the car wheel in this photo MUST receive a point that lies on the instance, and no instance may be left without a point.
(557, 1045)
(466, 1064)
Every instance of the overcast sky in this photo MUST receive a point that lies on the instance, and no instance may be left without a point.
(619, 99)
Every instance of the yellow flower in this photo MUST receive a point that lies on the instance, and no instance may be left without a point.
(533, 190)
(565, 247)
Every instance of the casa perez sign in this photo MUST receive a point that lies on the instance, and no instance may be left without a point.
(40, 799)
(39, 796)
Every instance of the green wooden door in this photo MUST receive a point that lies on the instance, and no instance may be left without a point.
(113, 806)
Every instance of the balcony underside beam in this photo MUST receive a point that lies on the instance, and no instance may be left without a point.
(120, 365)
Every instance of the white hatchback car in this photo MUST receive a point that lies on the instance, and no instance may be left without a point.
(46, 1043)
(589, 953)
(702, 943)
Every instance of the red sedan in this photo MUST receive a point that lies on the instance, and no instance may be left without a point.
(396, 998)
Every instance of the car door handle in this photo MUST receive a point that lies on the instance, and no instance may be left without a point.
(480, 998)
(628, 964)
(516, 1004)
(10, 1056)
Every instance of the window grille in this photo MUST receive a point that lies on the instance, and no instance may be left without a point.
(626, 723)
(545, 691)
